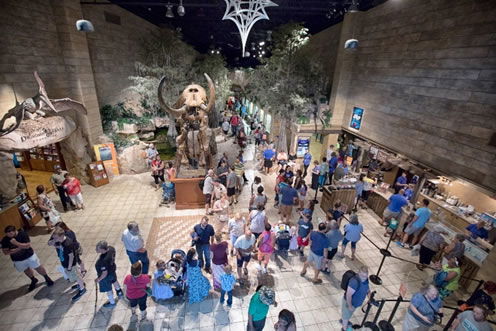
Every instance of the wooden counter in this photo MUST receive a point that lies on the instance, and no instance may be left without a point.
(329, 197)
(10, 216)
(447, 215)
(188, 193)
(377, 202)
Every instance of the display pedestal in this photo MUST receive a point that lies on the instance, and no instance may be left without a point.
(188, 193)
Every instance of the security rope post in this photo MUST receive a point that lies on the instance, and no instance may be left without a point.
(387, 325)
(385, 253)
(367, 311)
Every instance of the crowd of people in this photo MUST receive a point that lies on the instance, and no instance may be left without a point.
(244, 236)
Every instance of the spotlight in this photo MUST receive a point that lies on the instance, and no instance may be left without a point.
(261, 43)
(84, 26)
(247, 54)
(180, 9)
(351, 44)
(169, 13)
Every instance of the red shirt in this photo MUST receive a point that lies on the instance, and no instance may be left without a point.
(73, 186)
(136, 286)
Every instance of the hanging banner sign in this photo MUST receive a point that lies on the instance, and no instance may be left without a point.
(303, 146)
(37, 133)
(356, 118)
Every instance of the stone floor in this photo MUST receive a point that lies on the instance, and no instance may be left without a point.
(109, 208)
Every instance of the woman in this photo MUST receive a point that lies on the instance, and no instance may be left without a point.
(73, 187)
(46, 207)
(265, 245)
(221, 208)
(79, 250)
(219, 259)
(236, 228)
(258, 220)
(279, 180)
(298, 178)
(171, 171)
(451, 272)
(359, 190)
(456, 248)
(423, 310)
(352, 232)
(258, 198)
(302, 193)
(259, 307)
(315, 175)
(198, 285)
(285, 321)
(158, 171)
(289, 174)
(430, 244)
(334, 236)
(135, 286)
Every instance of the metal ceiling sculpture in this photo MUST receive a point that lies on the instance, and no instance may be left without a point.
(245, 13)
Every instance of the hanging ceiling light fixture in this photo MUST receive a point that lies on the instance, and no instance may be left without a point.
(245, 13)
(169, 13)
(180, 9)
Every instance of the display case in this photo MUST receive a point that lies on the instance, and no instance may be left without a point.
(29, 211)
(41, 158)
(98, 175)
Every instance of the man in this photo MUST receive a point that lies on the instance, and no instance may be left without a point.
(333, 163)
(235, 120)
(288, 198)
(268, 155)
(401, 182)
(329, 152)
(151, 153)
(339, 172)
(135, 246)
(231, 183)
(203, 236)
(422, 216)
(17, 245)
(244, 246)
(305, 227)
(105, 270)
(477, 230)
(354, 296)
(472, 320)
(393, 210)
(57, 180)
(66, 249)
(208, 188)
(222, 171)
(307, 159)
(317, 255)
(324, 170)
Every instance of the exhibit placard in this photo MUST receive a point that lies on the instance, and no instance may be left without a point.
(107, 154)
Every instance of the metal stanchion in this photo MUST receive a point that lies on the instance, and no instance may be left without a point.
(385, 253)
(373, 325)
(452, 319)
(387, 325)
(367, 311)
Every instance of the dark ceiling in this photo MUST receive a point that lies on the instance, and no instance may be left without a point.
(202, 25)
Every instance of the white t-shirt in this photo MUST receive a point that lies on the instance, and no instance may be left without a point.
(208, 187)
(329, 153)
(244, 243)
(236, 227)
(257, 221)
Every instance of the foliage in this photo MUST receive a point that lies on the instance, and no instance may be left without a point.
(121, 115)
(121, 142)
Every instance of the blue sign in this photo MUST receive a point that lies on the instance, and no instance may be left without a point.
(303, 146)
(356, 118)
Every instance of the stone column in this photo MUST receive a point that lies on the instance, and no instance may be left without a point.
(343, 71)
(78, 68)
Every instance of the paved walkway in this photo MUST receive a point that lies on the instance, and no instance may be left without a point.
(132, 197)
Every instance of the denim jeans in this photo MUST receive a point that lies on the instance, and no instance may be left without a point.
(203, 251)
(137, 256)
(229, 297)
(64, 198)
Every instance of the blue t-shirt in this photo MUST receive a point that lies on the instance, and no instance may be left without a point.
(477, 233)
(319, 242)
(396, 201)
(334, 237)
(307, 158)
(353, 231)
(423, 215)
(408, 194)
(304, 228)
(336, 214)
(204, 234)
(269, 154)
(288, 194)
(333, 163)
(361, 290)
(419, 301)
(359, 188)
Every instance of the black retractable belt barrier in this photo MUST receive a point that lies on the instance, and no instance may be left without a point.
(367, 311)
(385, 253)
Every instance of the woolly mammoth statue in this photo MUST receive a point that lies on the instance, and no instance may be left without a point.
(195, 143)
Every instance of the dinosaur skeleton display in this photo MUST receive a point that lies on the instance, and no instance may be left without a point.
(37, 106)
(191, 111)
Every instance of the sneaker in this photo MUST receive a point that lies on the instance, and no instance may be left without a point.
(78, 295)
(32, 286)
(74, 287)
(259, 267)
(119, 292)
(399, 243)
(108, 304)
(49, 282)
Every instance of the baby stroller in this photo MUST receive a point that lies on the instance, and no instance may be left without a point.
(171, 282)
(168, 194)
(283, 237)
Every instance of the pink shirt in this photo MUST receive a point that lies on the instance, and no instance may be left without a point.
(73, 186)
(136, 286)
(267, 240)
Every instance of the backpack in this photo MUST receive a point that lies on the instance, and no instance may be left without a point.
(440, 279)
(345, 280)
(201, 183)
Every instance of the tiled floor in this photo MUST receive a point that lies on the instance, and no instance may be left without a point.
(109, 208)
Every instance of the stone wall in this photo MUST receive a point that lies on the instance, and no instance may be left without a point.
(425, 73)
(114, 48)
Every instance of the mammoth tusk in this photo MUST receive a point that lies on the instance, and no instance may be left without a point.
(211, 97)
(173, 111)
(203, 106)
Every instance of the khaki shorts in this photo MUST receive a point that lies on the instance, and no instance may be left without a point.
(387, 214)
(72, 275)
(285, 209)
(315, 259)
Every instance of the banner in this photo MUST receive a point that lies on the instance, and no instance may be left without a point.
(37, 133)
(356, 118)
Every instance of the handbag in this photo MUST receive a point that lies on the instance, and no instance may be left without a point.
(438, 317)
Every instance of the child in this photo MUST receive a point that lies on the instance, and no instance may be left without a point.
(160, 288)
(227, 281)
(136, 289)
(305, 227)
(293, 242)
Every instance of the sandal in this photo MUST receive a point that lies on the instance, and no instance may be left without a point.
(303, 273)
(245, 271)
(317, 281)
